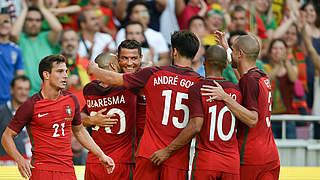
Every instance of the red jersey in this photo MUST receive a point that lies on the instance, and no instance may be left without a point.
(166, 91)
(49, 124)
(141, 117)
(216, 145)
(257, 145)
(118, 141)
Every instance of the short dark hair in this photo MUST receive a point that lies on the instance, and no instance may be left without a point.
(235, 33)
(238, 8)
(216, 57)
(134, 3)
(46, 63)
(130, 44)
(132, 23)
(19, 77)
(32, 8)
(65, 31)
(196, 18)
(186, 43)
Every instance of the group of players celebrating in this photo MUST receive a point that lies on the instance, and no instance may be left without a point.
(144, 119)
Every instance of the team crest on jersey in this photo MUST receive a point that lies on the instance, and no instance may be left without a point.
(68, 112)
(14, 56)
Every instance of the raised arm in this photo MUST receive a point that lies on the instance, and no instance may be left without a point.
(108, 77)
(314, 56)
(193, 127)
(82, 135)
(55, 25)
(179, 7)
(18, 24)
(7, 142)
(120, 9)
(248, 117)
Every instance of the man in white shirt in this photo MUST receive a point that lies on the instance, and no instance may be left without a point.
(92, 42)
(139, 12)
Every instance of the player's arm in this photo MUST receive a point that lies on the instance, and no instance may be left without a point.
(82, 135)
(108, 77)
(193, 127)
(8, 144)
(98, 120)
(248, 117)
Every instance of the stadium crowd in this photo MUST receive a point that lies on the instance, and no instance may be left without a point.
(288, 32)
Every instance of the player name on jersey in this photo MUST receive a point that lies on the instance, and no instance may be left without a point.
(101, 102)
(172, 80)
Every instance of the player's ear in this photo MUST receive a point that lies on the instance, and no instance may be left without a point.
(46, 75)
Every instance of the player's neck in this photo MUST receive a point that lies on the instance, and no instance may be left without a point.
(4, 39)
(245, 66)
(50, 93)
(183, 62)
(214, 75)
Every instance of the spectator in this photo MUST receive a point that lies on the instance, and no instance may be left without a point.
(283, 73)
(63, 10)
(92, 42)
(263, 9)
(197, 25)
(134, 31)
(105, 16)
(239, 19)
(79, 153)
(185, 11)
(291, 37)
(11, 62)
(13, 8)
(76, 65)
(139, 12)
(214, 22)
(168, 21)
(315, 59)
(155, 8)
(34, 43)
(19, 88)
(243, 20)
(313, 29)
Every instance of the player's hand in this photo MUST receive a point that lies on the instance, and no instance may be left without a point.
(160, 156)
(214, 93)
(108, 163)
(92, 66)
(24, 168)
(102, 120)
(221, 39)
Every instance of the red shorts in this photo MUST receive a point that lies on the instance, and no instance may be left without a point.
(268, 171)
(38, 174)
(146, 170)
(213, 175)
(98, 171)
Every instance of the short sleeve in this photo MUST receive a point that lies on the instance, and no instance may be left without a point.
(138, 79)
(19, 63)
(77, 117)
(23, 116)
(195, 101)
(250, 92)
(85, 109)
